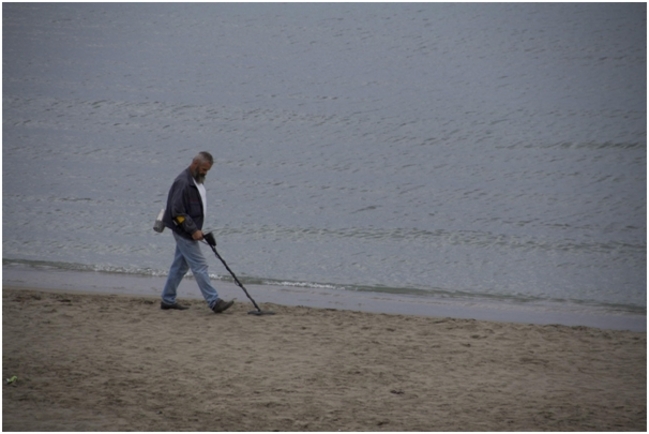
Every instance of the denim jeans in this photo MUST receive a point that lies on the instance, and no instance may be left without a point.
(188, 256)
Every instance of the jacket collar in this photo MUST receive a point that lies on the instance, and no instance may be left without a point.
(190, 178)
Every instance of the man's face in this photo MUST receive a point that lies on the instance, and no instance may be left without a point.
(200, 171)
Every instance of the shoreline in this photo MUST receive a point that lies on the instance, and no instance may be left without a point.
(95, 362)
(133, 285)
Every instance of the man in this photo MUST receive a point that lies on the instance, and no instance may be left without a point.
(184, 216)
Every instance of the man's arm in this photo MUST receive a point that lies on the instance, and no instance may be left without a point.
(178, 212)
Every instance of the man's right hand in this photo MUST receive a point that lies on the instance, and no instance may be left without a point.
(198, 235)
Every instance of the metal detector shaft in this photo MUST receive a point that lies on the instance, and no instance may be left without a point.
(235, 277)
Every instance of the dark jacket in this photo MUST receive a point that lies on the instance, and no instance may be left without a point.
(184, 213)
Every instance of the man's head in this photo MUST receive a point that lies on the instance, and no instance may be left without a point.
(201, 164)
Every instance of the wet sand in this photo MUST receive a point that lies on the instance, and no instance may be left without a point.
(92, 362)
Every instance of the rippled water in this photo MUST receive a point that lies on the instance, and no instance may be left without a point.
(461, 151)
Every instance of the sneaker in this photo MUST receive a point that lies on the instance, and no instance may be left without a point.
(222, 306)
(165, 306)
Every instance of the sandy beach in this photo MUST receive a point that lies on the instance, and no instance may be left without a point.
(88, 362)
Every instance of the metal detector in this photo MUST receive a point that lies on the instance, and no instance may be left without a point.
(209, 239)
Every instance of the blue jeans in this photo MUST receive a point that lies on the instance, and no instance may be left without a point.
(188, 255)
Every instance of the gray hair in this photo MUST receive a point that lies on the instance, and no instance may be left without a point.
(204, 157)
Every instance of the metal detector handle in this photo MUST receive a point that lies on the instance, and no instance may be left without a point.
(209, 238)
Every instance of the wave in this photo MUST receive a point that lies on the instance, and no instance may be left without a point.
(592, 145)
(440, 295)
(73, 266)
(477, 238)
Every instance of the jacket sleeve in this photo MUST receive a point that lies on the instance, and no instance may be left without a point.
(178, 207)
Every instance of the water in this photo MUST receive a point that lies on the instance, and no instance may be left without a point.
(465, 153)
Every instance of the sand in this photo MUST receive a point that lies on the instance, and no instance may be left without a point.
(88, 362)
